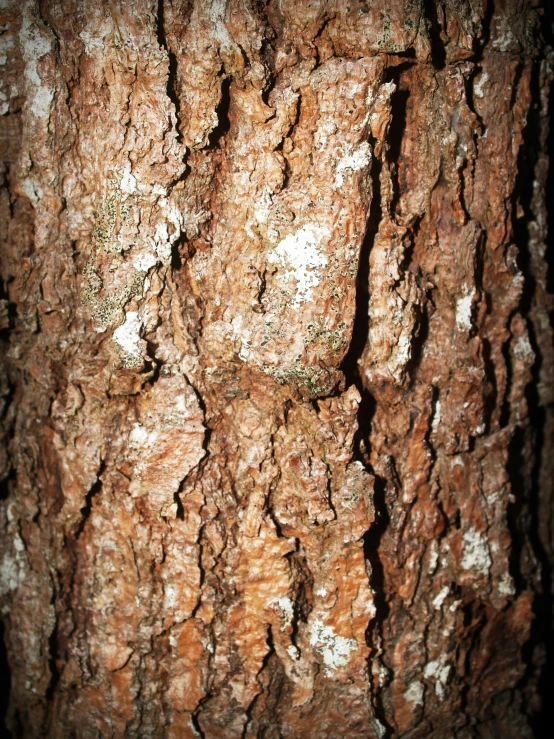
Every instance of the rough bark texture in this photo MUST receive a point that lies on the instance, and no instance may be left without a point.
(278, 406)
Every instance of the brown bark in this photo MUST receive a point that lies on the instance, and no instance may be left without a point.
(278, 402)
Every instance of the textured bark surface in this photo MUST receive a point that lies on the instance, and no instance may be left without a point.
(278, 400)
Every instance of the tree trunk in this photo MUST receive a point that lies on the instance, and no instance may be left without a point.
(278, 405)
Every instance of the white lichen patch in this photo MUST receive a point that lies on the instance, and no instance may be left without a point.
(162, 243)
(173, 215)
(263, 207)
(436, 417)
(440, 598)
(4, 102)
(127, 336)
(433, 557)
(370, 608)
(402, 351)
(128, 182)
(170, 596)
(414, 693)
(145, 261)
(479, 87)
(35, 45)
(352, 161)
(9, 574)
(379, 104)
(293, 652)
(31, 189)
(142, 437)
(167, 230)
(13, 568)
(94, 35)
(506, 586)
(439, 671)
(217, 16)
(505, 37)
(243, 336)
(463, 310)
(286, 609)
(523, 349)
(327, 128)
(192, 728)
(334, 649)
(476, 554)
(302, 259)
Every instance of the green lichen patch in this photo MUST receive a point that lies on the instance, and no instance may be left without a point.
(129, 361)
(315, 380)
(106, 309)
(106, 218)
(324, 338)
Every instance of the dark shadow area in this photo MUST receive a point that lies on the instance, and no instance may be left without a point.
(172, 75)
(366, 410)
(491, 394)
(178, 251)
(438, 52)
(5, 485)
(397, 128)
(530, 562)
(53, 649)
(7, 319)
(549, 36)
(4, 684)
(87, 508)
(222, 111)
(360, 328)
(419, 339)
(372, 540)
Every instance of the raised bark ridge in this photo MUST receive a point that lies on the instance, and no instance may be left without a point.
(275, 316)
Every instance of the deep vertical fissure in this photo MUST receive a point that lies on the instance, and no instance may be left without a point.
(172, 66)
(366, 409)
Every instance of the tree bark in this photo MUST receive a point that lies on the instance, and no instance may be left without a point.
(278, 400)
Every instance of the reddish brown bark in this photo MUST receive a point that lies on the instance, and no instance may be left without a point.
(278, 392)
